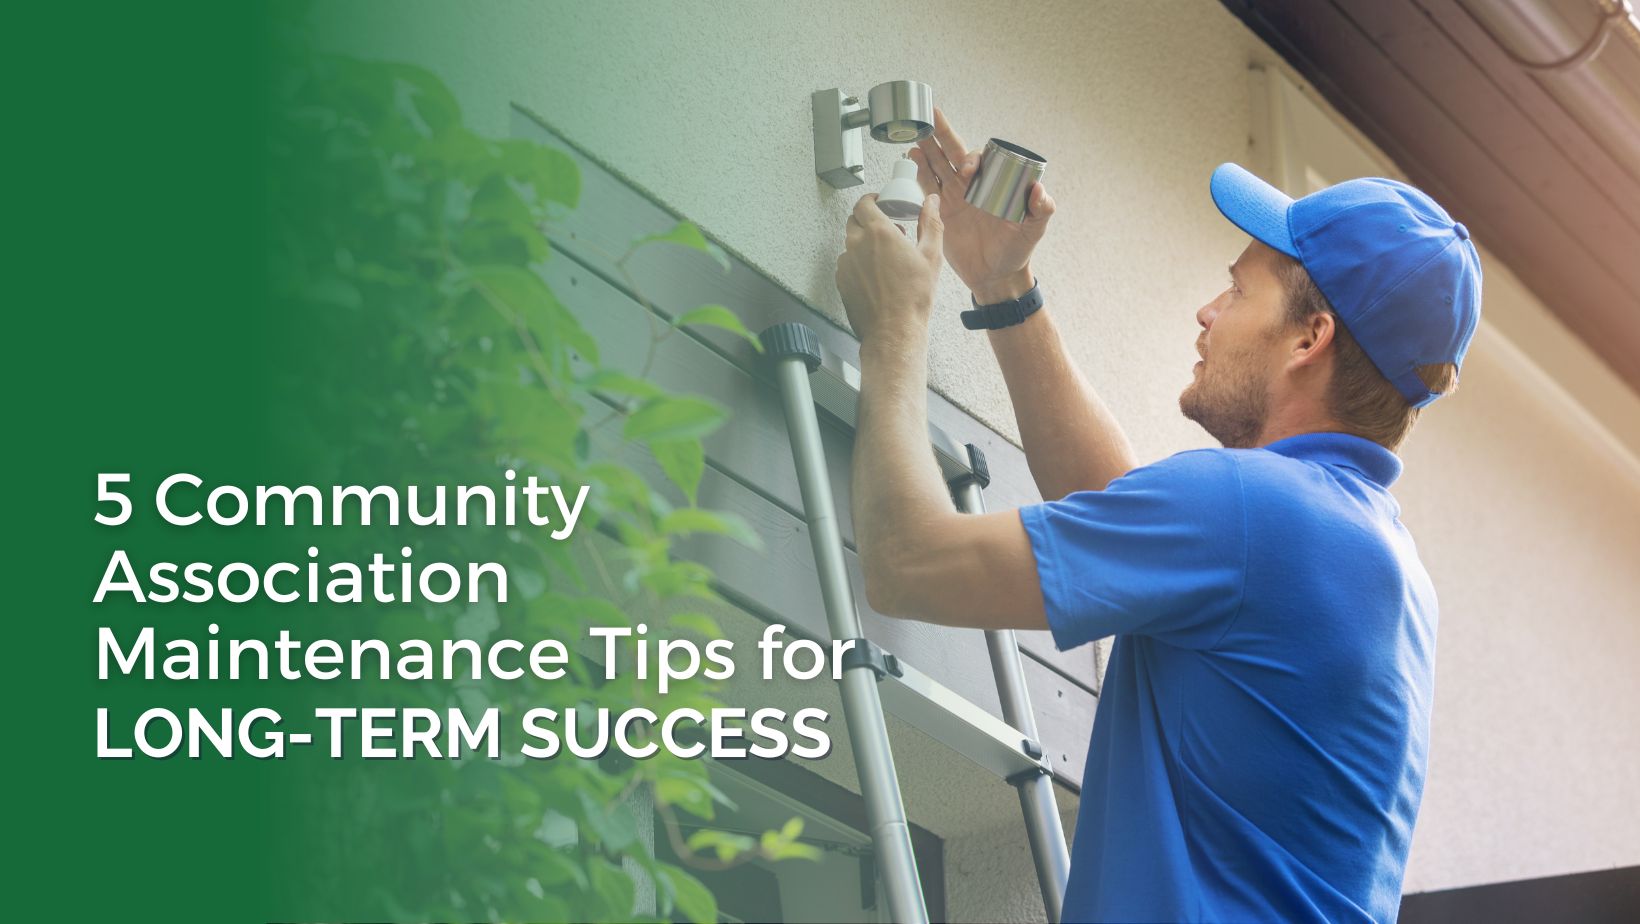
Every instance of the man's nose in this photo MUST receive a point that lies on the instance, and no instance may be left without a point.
(1208, 312)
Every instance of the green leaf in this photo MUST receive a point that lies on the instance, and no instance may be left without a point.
(674, 418)
(529, 421)
(614, 885)
(427, 96)
(617, 486)
(498, 240)
(555, 868)
(689, 520)
(497, 200)
(792, 829)
(699, 623)
(613, 826)
(612, 382)
(727, 846)
(679, 578)
(685, 234)
(551, 172)
(783, 844)
(455, 150)
(683, 461)
(720, 317)
(693, 795)
(525, 296)
(792, 851)
(693, 898)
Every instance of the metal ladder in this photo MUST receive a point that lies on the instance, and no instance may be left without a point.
(874, 680)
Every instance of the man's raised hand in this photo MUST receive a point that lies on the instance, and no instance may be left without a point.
(991, 256)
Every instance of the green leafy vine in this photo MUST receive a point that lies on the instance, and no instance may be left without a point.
(408, 251)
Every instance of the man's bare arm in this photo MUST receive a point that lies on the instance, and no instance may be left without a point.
(1071, 440)
(922, 559)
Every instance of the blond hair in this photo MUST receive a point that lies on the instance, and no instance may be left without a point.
(1358, 397)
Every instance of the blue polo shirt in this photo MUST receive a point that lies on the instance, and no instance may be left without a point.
(1259, 748)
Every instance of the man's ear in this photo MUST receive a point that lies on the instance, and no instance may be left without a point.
(1312, 338)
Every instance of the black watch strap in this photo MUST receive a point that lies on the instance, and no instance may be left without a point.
(1003, 314)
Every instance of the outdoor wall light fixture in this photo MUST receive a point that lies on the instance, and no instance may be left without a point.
(898, 112)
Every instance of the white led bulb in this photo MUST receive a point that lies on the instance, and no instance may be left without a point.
(901, 198)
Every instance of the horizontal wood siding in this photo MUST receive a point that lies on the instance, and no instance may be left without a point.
(750, 470)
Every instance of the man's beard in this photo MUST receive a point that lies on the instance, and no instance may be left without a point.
(1231, 400)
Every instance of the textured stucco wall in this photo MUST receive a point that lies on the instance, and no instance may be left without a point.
(1530, 526)
(989, 875)
(1531, 531)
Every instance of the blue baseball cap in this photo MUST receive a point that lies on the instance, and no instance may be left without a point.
(1402, 276)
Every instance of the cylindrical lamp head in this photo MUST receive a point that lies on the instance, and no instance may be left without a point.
(902, 111)
(1002, 186)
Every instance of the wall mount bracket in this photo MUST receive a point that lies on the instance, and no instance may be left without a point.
(896, 112)
(839, 149)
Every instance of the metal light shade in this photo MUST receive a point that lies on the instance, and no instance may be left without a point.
(1002, 186)
(902, 111)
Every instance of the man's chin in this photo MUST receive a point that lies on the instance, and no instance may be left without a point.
(1187, 402)
(1198, 411)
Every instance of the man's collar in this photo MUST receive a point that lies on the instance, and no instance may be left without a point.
(1343, 449)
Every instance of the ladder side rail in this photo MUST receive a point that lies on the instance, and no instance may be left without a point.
(1043, 827)
(795, 350)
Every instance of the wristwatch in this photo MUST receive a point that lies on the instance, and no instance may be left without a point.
(1003, 314)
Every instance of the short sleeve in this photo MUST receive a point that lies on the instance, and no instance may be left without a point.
(1161, 552)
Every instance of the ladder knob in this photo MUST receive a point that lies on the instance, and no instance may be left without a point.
(792, 340)
(976, 462)
(978, 472)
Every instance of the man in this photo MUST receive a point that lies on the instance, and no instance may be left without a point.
(1261, 737)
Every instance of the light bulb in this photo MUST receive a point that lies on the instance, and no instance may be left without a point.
(901, 198)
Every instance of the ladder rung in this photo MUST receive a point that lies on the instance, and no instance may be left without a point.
(958, 723)
(836, 386)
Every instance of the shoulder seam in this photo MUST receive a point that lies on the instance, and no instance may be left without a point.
(1246, 553)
